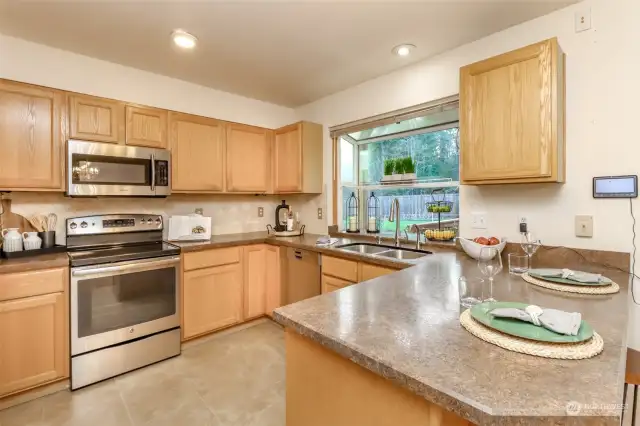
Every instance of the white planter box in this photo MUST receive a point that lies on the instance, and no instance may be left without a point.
(409, 176)
(396, 177)
(387, 178)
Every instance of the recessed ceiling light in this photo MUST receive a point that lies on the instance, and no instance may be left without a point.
(184, 39)
(403, 49)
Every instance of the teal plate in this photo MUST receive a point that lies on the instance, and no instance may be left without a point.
(514, 327)
(603, 282)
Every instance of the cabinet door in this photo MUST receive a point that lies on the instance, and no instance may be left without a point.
(274, 286)
(330, 284)
(255, 281)
(96, 119)
(32, 134)
(508, 116)
(197, 153)
(369, 272)
(33, 341)
(248, 158)
(288, 159)
(146, 126)
(212, 299)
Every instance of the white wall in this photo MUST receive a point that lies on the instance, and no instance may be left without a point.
(603, 89)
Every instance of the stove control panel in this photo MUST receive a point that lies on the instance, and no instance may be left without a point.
(114, 223)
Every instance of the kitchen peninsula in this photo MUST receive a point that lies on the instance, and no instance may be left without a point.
(393, 347)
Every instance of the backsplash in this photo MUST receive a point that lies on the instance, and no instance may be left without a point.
(230, 214)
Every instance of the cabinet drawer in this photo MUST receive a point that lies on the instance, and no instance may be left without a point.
(340, 268)
(208, 258)
(330, 284)
(369, 272)
(33, 283)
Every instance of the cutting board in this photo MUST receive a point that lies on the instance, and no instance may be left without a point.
(13, 220)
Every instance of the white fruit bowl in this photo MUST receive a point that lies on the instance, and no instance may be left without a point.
(473, 249)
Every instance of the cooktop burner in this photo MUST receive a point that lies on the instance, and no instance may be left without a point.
(102, 255)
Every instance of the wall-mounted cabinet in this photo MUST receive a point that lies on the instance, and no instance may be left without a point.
(96, 119)
(249, 151)
(146, 126)
(298, 159)
(32, 135)
(197, 153)
(512, 117)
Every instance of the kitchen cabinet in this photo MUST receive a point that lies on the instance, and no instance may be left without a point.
(197, 153)
(338, 273)
(96, 119)
(298, 158)
(340, 268)
(255, 280)
(146, 126)
(512, 117)
(274, 296)
(34, 329)
(212, 299)
(367, 271)
(330, 283)
(249, 151)
(32, 137)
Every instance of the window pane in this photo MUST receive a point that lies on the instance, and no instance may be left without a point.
(433, 119)
(346, 161)
(436, 155)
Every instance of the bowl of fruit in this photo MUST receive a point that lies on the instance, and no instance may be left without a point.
(446, 234)
(474, 247)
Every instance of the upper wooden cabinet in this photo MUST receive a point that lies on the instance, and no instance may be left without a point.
(298, 158)
(197, 153)
(248, 158)
(146, 126)
(32, 135)
(96, 119)
(512, 117)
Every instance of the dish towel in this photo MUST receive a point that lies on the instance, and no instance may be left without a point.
(326, 241)
(560, 322)
(577, 276)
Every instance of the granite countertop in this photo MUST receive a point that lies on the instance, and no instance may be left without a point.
(45, 261)
(405, 328)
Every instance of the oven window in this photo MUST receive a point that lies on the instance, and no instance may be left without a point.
(103, 170)
(110, 303)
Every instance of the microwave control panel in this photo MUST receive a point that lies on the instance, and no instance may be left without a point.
(162, 173)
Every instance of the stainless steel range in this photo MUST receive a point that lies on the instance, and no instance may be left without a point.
(125, 287)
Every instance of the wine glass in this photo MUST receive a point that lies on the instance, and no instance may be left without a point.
(530, 245)
(490, 264)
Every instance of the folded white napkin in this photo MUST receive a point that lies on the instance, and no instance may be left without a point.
(577, 276)
(560, 322)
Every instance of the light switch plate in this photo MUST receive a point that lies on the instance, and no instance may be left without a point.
(583, 19)
(319, 212)
(478, 221)
(260, 211)
(584, 226)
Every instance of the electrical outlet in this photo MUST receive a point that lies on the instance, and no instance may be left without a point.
(584, 226)
(583, 19)
(478, 221)
(319, 212)
(260, 211)
(199, 211)
(523, 223)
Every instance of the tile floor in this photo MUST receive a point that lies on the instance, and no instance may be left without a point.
(232, 380)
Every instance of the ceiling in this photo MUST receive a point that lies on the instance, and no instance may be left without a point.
(288, 53)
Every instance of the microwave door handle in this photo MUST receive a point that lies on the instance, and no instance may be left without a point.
(153, 172)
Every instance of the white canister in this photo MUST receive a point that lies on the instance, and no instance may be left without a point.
(353, 224)
(31, 240)
(12, 240)
(372, 224)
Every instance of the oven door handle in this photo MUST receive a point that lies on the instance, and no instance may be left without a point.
(126, 268)
(153, 172)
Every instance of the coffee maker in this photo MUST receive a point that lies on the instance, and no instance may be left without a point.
(281, 217)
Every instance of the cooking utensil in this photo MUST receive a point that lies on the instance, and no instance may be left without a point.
(52, 220)
(39, 222)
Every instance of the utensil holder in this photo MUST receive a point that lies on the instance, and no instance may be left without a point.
(48, 238)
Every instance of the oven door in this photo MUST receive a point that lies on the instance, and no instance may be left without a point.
(102, 169)
(118, 302)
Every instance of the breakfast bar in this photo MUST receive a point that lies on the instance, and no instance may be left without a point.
(396, 342)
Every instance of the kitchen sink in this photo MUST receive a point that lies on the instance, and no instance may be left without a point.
(364, 248)
(400, 254)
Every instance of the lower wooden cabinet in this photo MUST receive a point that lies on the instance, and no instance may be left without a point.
(34, 343)
(274, 286)
(330, 283)
(255, 281)
(338, 273)
(212, 299)
(367, 271)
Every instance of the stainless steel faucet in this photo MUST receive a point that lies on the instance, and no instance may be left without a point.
(415, 228)
(395, 207)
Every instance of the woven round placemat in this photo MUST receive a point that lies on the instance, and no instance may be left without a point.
(583, 350)
(582, 289)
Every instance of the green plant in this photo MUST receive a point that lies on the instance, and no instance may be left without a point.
(409, 165)
(389, 165)
(399, 165)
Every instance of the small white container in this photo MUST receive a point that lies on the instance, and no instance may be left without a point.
(353, 224)
(12, 240)
(31, 240)
(372, 224)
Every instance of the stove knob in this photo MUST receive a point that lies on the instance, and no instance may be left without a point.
(83, 225)
(149, 221)
(141, 221)
(158, 221)
(73, 225)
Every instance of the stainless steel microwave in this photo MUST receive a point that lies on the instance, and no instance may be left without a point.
(107, 170)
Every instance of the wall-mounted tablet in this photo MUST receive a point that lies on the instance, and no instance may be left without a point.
(615, 186)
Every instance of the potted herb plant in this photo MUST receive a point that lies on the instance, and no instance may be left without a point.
(389, 166)
(409, 169)
(398, 168)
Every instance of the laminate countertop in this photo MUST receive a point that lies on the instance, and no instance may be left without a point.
(405, 327)
(45, 261)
